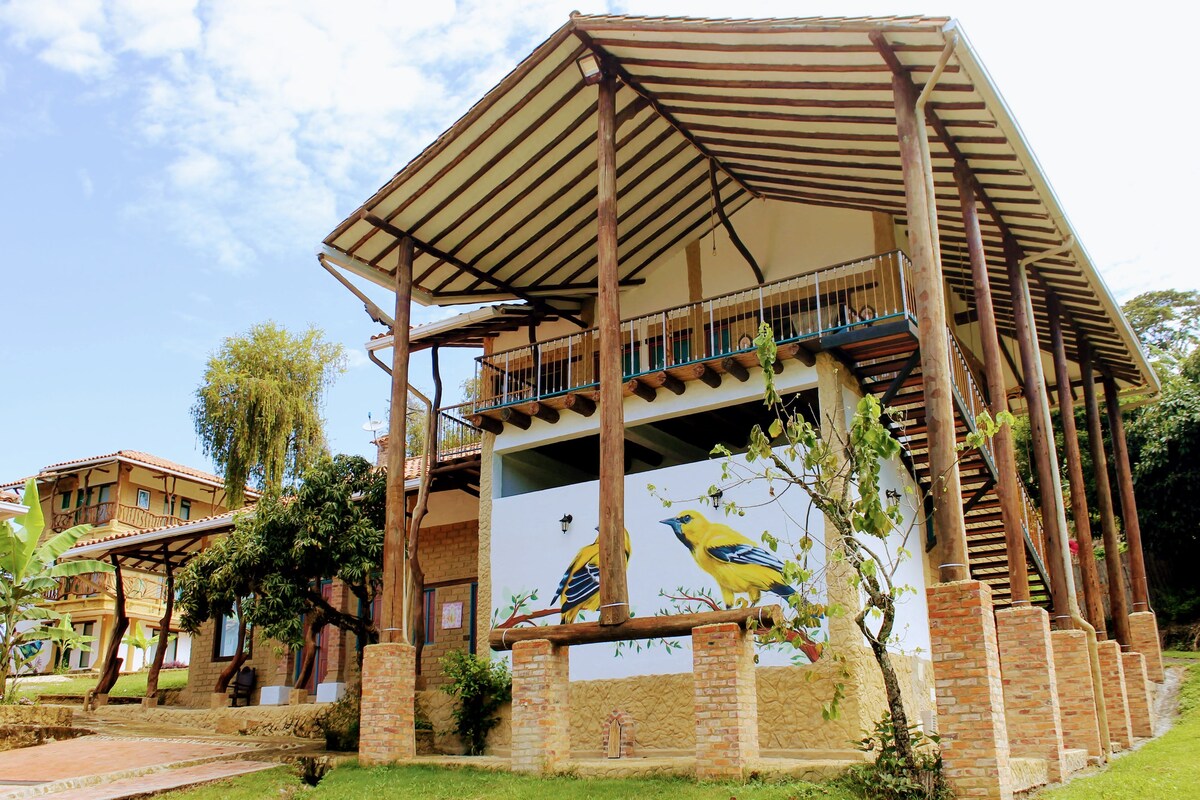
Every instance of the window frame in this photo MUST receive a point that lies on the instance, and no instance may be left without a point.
(219, 636)
(146, 494)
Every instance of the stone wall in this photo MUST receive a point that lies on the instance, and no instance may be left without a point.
(53, 716)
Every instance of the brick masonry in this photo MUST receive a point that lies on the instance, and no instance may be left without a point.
(1137, 691)
(449, 558)
(1031, 708)
(1113, 677)
(205, 668)
(726, 701)
(541, 729)
(1076, 695)
(387, 726)
(1143, 631)
(970, 694)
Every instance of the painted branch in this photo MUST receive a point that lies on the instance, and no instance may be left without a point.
(1129, 515)
(614, 592)
(935, 353)
(635, 628)
(1092, 604)
(719, 204)
(1002, 443)
(394, 563)
(1118, 608)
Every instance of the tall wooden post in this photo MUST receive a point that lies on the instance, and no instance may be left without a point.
(1112, 553)
(164, 627)
(394, 563)
(1045, 454)
(1002, 444)
(946, 488)
(1129, 515)
(614, 593)
(1093, 606)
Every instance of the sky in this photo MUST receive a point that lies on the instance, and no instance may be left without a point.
(168, 168)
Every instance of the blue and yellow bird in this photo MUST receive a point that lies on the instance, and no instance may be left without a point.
(579, 589)
(738, 565)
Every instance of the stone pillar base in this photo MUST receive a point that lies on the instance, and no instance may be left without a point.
(1143, 631)
(726, 699)
(1115, 700)
(330, 691)
(274, 695)
(218, 700)
(1076, 693)
(297, 697)
(149, 702)
(387, 730)
(541, 734)
(1137, 691)
(1031, 709)
(970, 695)
(99, 700)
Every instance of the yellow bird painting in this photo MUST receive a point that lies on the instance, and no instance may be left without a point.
(579, 589)
(738, 565)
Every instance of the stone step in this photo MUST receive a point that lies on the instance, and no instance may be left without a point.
(1074, 760)
(1028, 773)
(165, 781)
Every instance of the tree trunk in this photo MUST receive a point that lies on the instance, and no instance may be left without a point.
(164, 633)
(112, 660)
(239, 657)
(891, 685)
(312, 628)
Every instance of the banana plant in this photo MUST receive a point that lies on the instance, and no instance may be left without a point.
(29, 570)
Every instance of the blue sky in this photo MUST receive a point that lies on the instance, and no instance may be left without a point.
(167, 168)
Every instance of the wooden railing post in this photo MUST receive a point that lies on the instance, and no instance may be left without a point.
(1129, 515)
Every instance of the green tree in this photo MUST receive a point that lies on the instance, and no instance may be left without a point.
(1167, 321)
(329, 526)
(258, 408)
(28, 571)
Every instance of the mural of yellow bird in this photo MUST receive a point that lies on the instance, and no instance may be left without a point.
(738, 565)
(579, 589)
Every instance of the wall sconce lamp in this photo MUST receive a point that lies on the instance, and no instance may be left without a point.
(566, 521)
(715, 496)
(590, 68)
(892, 495)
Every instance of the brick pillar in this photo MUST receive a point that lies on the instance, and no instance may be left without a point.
(1115, 700)
(387, 731)
(1031, 709)
(1143, 634)
(726, 698)
(334, 639)
(970, 695)
(1076, 693)
(1137, 690)
(541, 736)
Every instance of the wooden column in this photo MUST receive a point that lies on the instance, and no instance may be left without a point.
(391, 596)
(614, 594)
(1093, 606)
(112, 655)
(1108, 521)
(1044, 451)
(946, 489)
(164, 627)
(1129, 515)
(1002, 444)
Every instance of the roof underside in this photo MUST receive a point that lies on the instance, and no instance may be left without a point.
(800, 110)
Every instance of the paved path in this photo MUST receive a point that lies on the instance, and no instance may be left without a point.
(89, 755)
(164, 781)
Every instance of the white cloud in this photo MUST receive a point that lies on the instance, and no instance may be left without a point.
(356, 358)
(85, 183)
(66, 34)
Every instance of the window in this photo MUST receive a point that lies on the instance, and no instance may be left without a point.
(143, 499)
(168, 505)
(172, 653)
(225, 635)
(430, 616)
(185, 509)
(104, 493)
(64, 501)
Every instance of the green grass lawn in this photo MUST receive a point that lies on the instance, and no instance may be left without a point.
(131, 685)
(1168, 767)
(444, 783)
(1189, 654)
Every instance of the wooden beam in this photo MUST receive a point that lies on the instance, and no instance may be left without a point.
(673, 384)
(1129, 515)
(1003, 449)
(515, 417)
(640, 389)
(635, 628)
(946, 489)
(719, 205)
(486, 423)
(709, 377)
(614, 592)
(733, 367)
(395, 569)
(542, 411)
(1118, 608)
(583, 406)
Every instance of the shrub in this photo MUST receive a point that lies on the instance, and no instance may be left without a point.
(481, 688)
(889, 778)
(340, 722)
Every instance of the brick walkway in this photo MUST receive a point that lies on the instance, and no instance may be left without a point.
(91, 755)
(164, 781)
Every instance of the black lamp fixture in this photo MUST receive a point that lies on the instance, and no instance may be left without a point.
(566, 521)
(590, 68)
(715, 496)
(892, 495)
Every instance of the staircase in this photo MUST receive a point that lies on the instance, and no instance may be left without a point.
(886, 361)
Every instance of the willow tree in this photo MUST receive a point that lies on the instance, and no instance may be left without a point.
(258, 409)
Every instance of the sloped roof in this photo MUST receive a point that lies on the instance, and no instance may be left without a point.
(502, 205)
(136, 457)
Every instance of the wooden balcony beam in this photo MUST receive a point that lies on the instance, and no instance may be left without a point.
(635, 628)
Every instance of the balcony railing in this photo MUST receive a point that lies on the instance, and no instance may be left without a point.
(101, 584)
(457, 438)
(846, 296)
(103, 513)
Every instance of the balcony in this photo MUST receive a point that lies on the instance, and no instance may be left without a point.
(697, 340)
(105, 513)
(100, 585)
